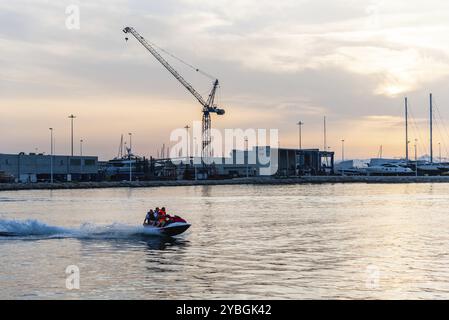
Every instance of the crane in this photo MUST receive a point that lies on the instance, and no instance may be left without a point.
(208, 104)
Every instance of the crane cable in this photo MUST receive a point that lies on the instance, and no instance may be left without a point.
(182, 61)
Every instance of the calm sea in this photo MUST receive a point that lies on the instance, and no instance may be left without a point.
(339, 241)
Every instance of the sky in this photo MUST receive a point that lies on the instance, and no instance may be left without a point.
(278, 62)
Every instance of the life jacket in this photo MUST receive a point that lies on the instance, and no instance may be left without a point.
(162, 216)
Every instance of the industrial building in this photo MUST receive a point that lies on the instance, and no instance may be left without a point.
(305, 162)
(39, 167)
(287, 162)
(267, 161)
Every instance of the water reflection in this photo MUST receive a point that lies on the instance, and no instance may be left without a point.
(141, 243)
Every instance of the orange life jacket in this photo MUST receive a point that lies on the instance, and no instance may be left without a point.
(162, 216)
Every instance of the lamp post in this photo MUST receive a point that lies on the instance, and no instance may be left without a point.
(188, 140)
(51, 155)
(81, 160)
(300, 123)
(342, 156)
(72, 117)
(247, 156)
(195, 155)
(129, 157)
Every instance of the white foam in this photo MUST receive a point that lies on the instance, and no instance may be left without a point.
(29, 228)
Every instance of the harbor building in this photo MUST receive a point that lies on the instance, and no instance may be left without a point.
(26, 168)
(267, 161)
(294, 162)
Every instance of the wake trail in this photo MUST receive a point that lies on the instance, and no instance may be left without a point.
(36, 229)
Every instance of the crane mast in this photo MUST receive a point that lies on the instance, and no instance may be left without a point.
(208, 105)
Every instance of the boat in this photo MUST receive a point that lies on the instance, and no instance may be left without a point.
(388, 169)
(351, 167)
(443, 167)
(429, 168)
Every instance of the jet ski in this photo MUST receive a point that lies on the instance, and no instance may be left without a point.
(176, 225)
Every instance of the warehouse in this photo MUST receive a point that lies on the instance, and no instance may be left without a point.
(262, 161)
(39, 167)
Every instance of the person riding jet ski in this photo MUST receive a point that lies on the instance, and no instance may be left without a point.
(149, 218)
(160, 223)
(163, 218)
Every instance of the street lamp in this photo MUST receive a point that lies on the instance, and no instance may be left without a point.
(342, 156)
(247, 156)
(188, 140)
(72, 117)
(81, 147)
(195, 152)
(129, 157)
(300, 123)
(51, 155)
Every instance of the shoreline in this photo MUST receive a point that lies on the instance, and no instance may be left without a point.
(237, 181)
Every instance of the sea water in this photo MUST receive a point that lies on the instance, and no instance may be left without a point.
(341, 241)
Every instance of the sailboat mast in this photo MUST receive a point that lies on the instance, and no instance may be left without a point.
(431, 142)
(406, 129)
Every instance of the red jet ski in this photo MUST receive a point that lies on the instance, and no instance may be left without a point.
(174, 225)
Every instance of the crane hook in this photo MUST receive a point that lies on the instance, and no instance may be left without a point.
(126, 38)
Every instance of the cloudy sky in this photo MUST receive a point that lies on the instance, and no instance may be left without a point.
(278, 62)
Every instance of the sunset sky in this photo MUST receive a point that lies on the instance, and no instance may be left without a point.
(278, 62)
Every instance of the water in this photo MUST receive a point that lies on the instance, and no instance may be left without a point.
(246, 242)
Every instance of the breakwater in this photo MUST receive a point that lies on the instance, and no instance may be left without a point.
(253, 180)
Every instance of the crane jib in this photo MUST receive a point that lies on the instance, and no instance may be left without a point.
(158, 57)
(208, 106)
